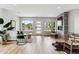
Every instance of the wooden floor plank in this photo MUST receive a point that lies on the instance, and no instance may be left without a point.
(35, 45)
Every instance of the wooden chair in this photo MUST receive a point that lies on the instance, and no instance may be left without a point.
(72, 44)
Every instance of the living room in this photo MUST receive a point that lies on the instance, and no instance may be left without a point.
(26, 26)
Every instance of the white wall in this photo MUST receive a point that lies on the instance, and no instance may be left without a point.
(71, 20)
(8, 15)
(77, 22)
(74, 21)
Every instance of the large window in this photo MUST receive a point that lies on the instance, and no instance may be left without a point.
(37, 24)
(27, 25)
(50, 25)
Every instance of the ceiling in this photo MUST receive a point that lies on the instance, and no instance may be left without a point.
(39, 10)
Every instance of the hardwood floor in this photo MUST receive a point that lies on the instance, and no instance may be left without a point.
(36, 45)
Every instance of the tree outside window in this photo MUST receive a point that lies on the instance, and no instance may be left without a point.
(27, 25)
(51, 26)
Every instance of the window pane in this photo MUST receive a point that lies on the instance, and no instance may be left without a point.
(27, 25)
(50, 25)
